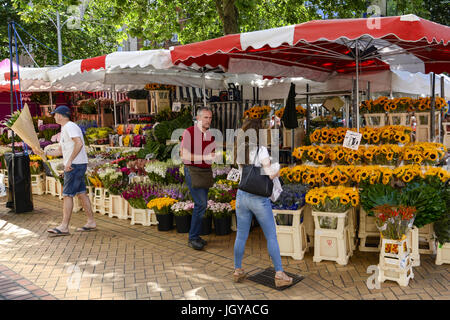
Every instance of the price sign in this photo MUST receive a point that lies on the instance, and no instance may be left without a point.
(131, 176)
(176, 106)
(149, 156)
(234, 175)
(352, 140)
(40, 123)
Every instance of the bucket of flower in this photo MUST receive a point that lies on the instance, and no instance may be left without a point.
(114, 182)
(37, 175)
(331, 209)
(395, 256)
(138, 195)
(182, 212)
(221, 214)
(163, 211)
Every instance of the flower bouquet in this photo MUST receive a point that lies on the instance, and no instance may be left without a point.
(36, 164)
(257, 112)
(394, 222)
(221, 213)
(109, 175)
(183, 214)
(162, 206)
(333, 200)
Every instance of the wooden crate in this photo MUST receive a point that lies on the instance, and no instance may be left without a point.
(139, 106)
(118, 207)
(291, 238)
(397, 265)
(367, 229)
(443, 253)
(146, 217)
(424, 125)
(375, 120)
(99, 194)
(399, 119)
(38, 184)
(50, 185)
(332, 243)
(160, 100)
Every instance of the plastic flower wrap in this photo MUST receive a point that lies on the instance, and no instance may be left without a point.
(182, 208)
(394, 222)
(291, 198)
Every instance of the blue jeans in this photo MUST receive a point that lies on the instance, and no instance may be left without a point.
(74, 181)
(200, 197)
(247, 205)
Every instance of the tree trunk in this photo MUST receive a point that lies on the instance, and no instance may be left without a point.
(229, 15)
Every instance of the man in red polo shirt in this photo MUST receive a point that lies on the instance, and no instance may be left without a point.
(198, 152)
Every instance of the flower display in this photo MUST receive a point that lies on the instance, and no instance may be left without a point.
(329, 135)
(301, 112)
(332, 199)
(138, 195)
(109, 175)
(182, 208)
(394, 222)
(219, 209)
(424, 153)
(137, 166)
(163, 172)
(257, 112)
(36, 166)
(405, 104)
(161, 205)
(220, 172)
(137, 129)
(291, 198)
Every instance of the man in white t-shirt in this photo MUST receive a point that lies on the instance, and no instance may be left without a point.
(71, 147)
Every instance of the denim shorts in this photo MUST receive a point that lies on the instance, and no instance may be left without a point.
(74, 180)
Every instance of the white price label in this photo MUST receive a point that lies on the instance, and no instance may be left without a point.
(176, 106)
(352, 140)
(234, 175)
(40, 123)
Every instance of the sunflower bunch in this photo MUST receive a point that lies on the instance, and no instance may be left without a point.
(372, 175)
(315, 154)
(424, 153)
(329, 135)
(345, 156)
(257, 112)
(387, 154)
(332, 199)
(301, 112)
(441, 173)
(408, 173)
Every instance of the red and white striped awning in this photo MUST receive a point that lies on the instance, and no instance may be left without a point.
(31, 79)
(318, 49)
(89, 74)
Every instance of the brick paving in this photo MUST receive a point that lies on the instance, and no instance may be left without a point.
(121, 261)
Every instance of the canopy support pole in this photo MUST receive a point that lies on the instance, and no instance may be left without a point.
(432, 111)
(51, 100)
(204, 88)
(113, 93)
(308, 111)
(441, 112)
(357, 85)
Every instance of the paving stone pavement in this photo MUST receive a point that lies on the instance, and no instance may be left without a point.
(121, 261)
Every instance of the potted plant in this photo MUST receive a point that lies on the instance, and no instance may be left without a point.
(183, 214)
(221, 213)
(163, 212)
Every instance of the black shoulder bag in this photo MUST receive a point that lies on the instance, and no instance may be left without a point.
(252, 181)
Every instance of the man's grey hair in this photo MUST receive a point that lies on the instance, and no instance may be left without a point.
(201, 109)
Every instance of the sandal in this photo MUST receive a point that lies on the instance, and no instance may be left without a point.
(55, 232)
(239, 275)
(86, 229)
(284, 281)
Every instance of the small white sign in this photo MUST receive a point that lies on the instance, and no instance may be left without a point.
(352, 140)
(176, 106)
(40, 123)
(234, 175)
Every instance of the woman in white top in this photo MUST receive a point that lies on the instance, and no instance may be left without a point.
(248, 204)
